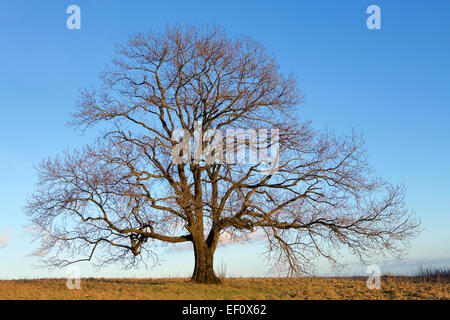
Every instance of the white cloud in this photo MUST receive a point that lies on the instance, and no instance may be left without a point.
(227, 237)
(32, 230)
(179, 247)
(4, 237)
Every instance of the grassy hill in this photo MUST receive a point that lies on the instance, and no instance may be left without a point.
(234, 288)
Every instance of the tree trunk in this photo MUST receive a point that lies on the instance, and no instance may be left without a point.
(204, 263)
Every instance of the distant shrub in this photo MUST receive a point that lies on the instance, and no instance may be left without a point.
(430, 273)
(222, 270)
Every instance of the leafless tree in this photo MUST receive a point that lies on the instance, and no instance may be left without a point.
(117, 199)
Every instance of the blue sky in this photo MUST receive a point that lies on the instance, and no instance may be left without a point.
(392, 84)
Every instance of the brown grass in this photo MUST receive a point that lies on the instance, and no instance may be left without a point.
(397, 288)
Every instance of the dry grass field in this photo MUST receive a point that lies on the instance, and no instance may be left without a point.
(392, 288)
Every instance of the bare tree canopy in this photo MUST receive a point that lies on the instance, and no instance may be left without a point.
(114, 200)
